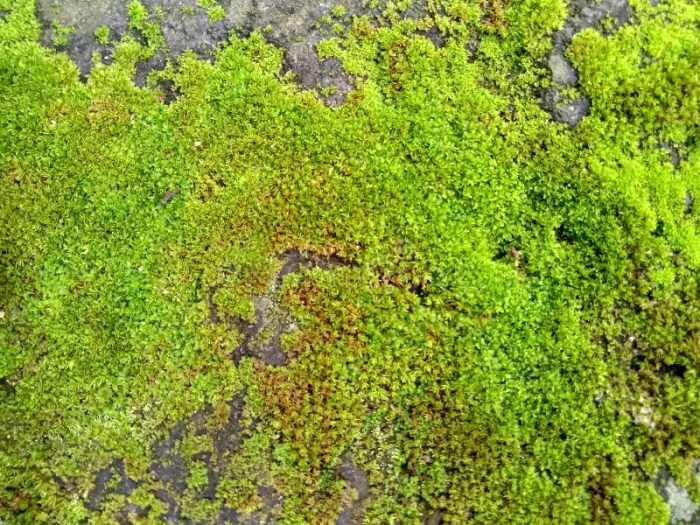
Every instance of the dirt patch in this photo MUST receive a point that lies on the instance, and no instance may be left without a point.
(291, 24)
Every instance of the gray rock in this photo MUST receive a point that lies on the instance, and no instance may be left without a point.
(582, 14)
(672, 152)
(563, 72)
(572, 112)
(587, 13)
(683, 508)
(286, 23)
(356, 480)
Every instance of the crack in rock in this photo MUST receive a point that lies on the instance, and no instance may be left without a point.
(262, 338)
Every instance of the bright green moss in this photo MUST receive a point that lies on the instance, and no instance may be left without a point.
(102, 35)
(61, 33)
(138, 15)
(19, 23)
(139, 20)
(515, 340)
(214, 10)
(216, 13)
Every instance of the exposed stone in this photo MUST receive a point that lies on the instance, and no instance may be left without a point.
(582, 14)
(682, 507)
(563, 72)
(356, 491)
(290, 24)
(572, 112)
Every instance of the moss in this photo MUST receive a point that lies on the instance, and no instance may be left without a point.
(214, 10)
(513, 340)
(102, 35)
(61, 33)
(140, 21)
(216, 13)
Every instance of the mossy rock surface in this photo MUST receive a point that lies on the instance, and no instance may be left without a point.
(295, 262)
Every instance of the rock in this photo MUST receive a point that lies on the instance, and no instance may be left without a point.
(572, 112)
(582, 14)
(682, 507)
(286, 23)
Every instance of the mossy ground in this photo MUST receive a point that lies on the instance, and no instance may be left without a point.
(515, 337)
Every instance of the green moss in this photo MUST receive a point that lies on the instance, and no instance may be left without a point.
(138, 15)
(61, 33)
(514, 339)
(102, 35)
(139, 20)
(19, 23)
(216, 13)
(214, 10)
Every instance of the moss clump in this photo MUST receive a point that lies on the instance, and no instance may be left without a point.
(102, 35)
(140, 20)
(214, 10)
(61, 33)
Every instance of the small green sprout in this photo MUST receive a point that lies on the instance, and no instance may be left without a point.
(61, 33)
(102, 35)
(338, 11)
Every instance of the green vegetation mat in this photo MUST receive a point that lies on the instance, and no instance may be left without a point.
(502, 324)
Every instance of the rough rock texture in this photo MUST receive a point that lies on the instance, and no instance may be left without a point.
(356, 491)
(286, 23)
(582, 14)
(682, 507)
